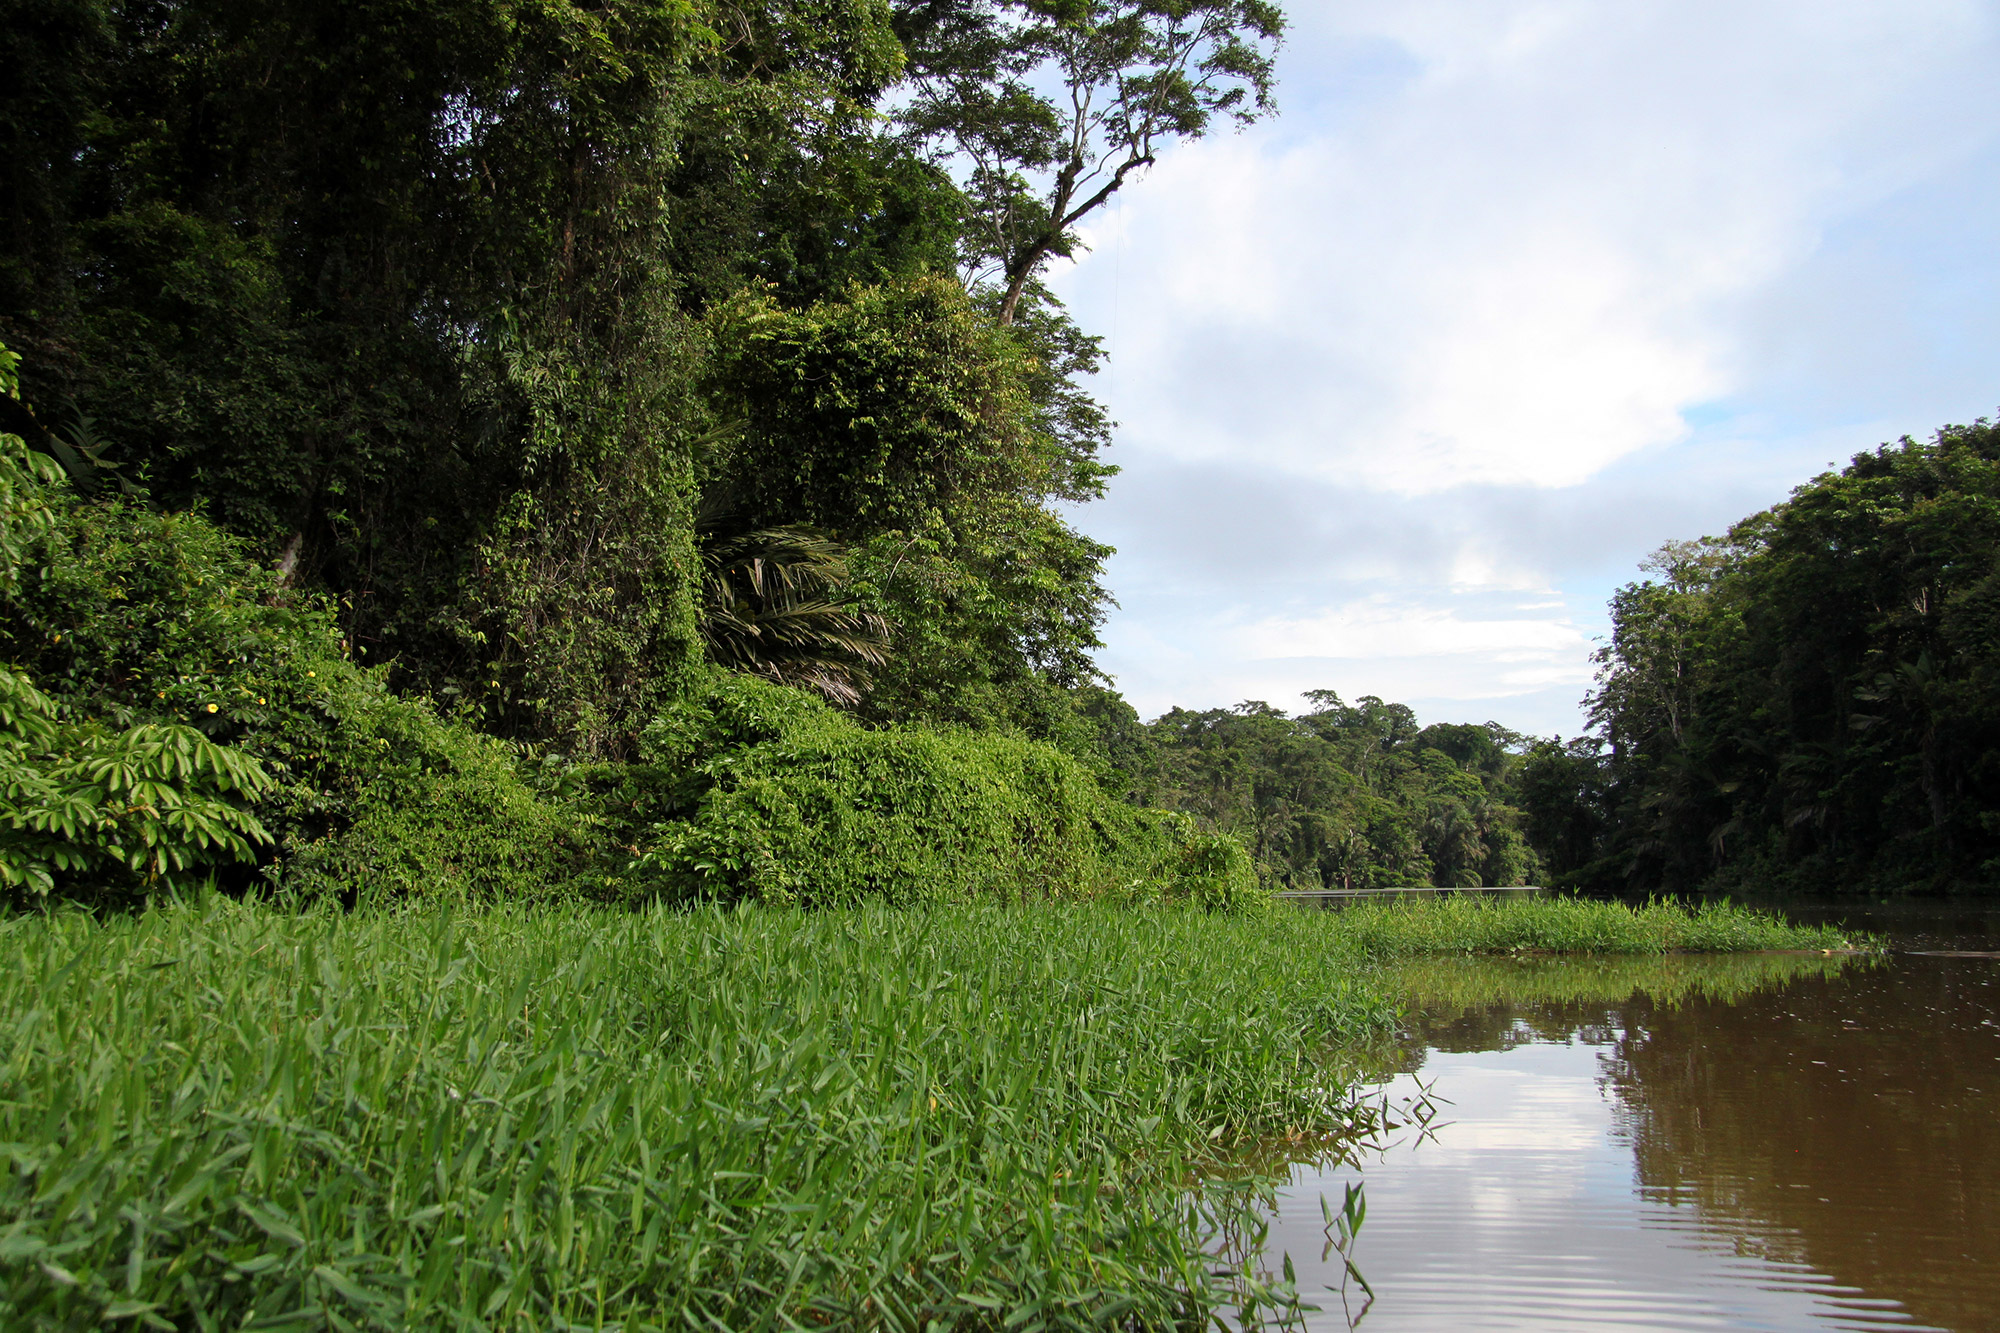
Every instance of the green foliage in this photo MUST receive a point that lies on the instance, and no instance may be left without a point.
(1344, 796)
(772, 606)
(1813, 700)
(453, 314)
(390, 801)
(138, 810)
(26, 514)
(1446, 988)
(579, 618)
(389, 291)
(780, 184)
(417, 302)
(217, 1114)
(933, 445)
(897, 400)
(1214, 871)
(1050, 107)
(1560, 788)
(172, 709)
(103, 811)
(423, 305)
(752, 790)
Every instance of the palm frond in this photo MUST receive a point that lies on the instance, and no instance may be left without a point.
(770, 608)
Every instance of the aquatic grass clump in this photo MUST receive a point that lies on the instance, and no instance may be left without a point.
(220, 1116)
(1450, 985)
(1470, 924)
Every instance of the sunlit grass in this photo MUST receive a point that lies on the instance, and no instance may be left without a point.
(1444, 986)
(219, 1115)
(222, 1115)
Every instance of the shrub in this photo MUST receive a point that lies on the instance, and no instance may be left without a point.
(754, 791)
(142, 807)
(397, 802)
(131, 807)
(1212, 870)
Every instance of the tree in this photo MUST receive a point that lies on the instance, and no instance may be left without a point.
(1345, 796)
(1560, 788)
(408, 295)
(1048, 106)
(1812, 700)
(898, 420)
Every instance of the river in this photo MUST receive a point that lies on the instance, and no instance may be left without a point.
(1747, 1142)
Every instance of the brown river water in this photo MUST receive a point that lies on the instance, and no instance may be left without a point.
(1750, 1142)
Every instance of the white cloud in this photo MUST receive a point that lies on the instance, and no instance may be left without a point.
(1383, 626)
(1522, 659)
(1513, 291)
(1519, 266)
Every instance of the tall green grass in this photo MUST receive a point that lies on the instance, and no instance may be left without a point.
(1469, 924)
(222, 1116)
(219, 1116)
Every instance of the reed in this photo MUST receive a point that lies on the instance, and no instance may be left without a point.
(1445, 987)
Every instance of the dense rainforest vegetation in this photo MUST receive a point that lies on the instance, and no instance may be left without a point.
(563, 344)
(622, 449)
(1811, 701)
(615, 449)
(1344, 796)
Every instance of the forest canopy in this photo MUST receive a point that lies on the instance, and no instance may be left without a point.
(1809, 701)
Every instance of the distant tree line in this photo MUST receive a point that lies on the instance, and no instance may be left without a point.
(1809, 703)
(1341, 796)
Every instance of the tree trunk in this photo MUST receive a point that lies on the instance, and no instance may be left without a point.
(1015, 286)
(1018, 273)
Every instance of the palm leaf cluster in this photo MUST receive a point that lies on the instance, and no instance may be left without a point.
(771, 607)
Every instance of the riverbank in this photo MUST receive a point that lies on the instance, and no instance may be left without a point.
(223, 1113)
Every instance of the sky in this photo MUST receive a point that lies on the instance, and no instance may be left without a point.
(1412, 376)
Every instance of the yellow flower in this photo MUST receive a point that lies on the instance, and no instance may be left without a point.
(312, 673)
(211, 708)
